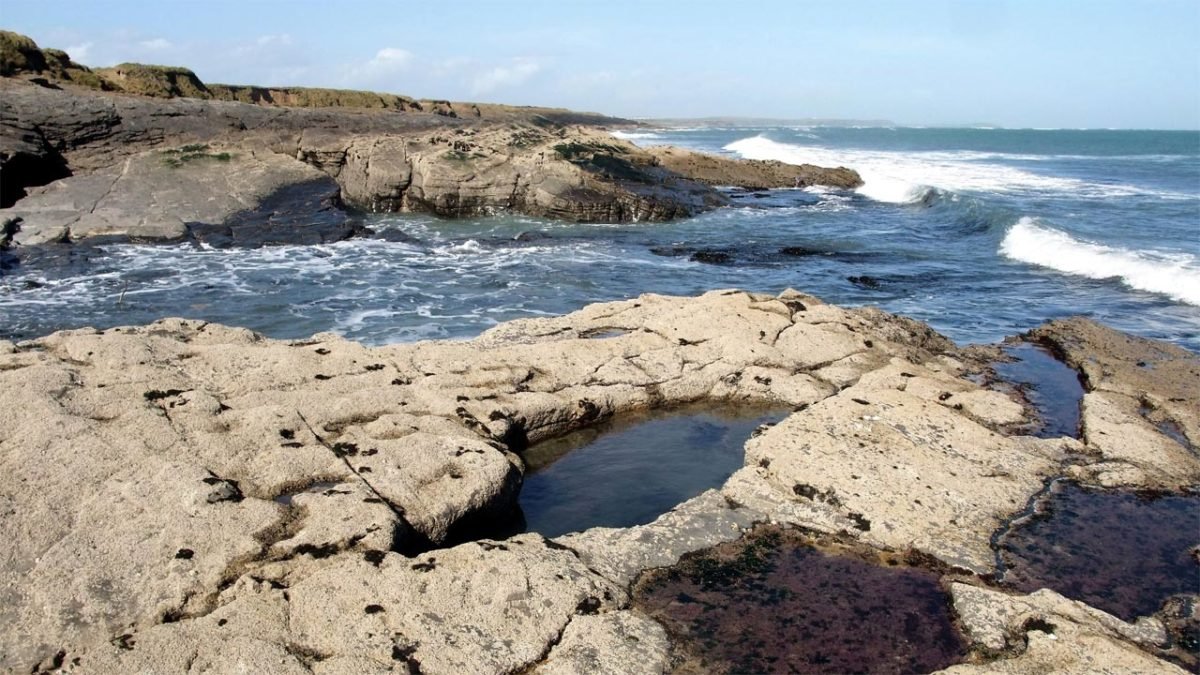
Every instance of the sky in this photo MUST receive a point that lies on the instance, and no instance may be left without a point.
(1013, 63)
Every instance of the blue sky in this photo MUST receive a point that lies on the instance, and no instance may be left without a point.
(1017, 63)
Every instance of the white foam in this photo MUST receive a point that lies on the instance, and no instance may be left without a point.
(635, 135)
(1176, 275)
(906, 177)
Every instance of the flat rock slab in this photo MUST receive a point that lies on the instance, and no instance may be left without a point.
(225, 193)
(185, 495)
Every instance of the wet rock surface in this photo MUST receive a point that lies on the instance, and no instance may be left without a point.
(772, 602)
(187, 495)
(1122, 552)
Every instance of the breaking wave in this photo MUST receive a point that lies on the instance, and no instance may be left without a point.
(1176, 275)
(909, 177)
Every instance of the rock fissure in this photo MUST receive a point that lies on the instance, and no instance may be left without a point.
(395, 508)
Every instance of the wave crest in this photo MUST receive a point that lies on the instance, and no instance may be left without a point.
(1176, 275)
(907, 177)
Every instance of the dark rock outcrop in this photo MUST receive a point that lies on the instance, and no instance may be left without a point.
(297, 214)
(751, 174)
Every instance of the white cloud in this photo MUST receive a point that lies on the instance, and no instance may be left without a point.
(505, 76)
(156, 44)
(452, 65)
(79, 53)
(268, 40)
(378, 72)
(390, 58)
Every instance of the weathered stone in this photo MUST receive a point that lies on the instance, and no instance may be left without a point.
(609, 644)
(207, 496)
(701, 522)
(1045, 632)
(1142, 409)
(1160, 376)
(904, 470)
(158, 195)
(478, 607)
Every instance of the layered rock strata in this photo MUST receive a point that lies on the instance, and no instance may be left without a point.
(185, 496)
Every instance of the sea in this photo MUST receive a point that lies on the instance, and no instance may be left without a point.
(983, 233)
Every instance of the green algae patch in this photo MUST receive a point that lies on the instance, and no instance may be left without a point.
(177, 157)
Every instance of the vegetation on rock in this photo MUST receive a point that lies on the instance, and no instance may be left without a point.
(311, 97)
(158, 81)
(19, 55)
(177, 157)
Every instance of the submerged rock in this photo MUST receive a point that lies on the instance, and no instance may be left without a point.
(773, 602)
(1121, 552)
(185, 494)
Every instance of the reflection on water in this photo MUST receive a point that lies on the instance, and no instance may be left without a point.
(1051, 387)
(630, 471)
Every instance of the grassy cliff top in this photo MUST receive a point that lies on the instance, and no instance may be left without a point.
(21, 57)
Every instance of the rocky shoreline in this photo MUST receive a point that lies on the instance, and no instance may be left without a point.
(149, 153)
(186, 495)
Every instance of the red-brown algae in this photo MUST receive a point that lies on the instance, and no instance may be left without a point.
(772, 602)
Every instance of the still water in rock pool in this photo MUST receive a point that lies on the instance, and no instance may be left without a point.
(771, 602)
(1051, 387)
(633, 470)
(1122, 552)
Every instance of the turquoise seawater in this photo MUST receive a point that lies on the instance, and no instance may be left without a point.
(980, 232)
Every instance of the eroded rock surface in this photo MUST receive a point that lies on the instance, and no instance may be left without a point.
(120, 165)
(200, 191)
(1049, 633)
(185, 495)
(1141, 411)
